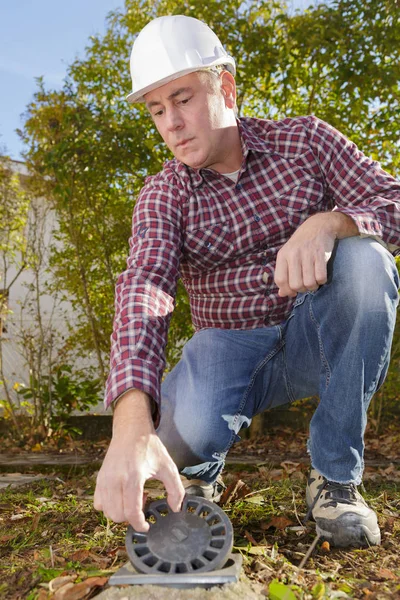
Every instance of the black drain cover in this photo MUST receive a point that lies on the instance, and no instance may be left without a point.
(197, 539)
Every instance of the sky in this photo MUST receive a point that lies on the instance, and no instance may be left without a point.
(41, 38)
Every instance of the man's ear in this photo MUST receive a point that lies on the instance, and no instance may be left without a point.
(228, 88)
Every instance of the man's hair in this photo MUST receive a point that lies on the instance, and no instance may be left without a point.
(212, 77)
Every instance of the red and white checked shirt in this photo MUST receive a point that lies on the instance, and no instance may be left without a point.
(222, 237)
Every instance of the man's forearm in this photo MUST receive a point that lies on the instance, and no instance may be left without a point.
(337, 223)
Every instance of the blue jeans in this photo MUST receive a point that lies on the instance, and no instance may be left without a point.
(335, 344)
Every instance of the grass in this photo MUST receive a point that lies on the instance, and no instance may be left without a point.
(49, 528)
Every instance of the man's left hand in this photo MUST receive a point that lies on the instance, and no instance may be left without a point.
(301, 264)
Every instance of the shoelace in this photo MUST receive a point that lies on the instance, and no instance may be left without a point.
(347, 496)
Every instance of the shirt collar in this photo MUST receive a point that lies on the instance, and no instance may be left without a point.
(249, 141)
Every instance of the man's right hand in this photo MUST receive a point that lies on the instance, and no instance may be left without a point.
(135, 454)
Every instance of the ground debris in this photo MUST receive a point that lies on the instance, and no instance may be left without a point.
(58, 536)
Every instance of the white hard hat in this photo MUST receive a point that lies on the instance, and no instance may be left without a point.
(170, 47)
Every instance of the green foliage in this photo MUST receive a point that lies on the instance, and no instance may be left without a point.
(14, 207)
(60, 393)
(90, 151)
(15, 255)
(389, 395)
(280, 591)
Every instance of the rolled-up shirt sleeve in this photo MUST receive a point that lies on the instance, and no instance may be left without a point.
(145, 293)
(358, 185)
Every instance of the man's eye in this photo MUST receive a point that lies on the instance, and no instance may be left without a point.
(158, 113)
(185, 100)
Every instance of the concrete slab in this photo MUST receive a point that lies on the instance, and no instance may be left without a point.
(243, 590)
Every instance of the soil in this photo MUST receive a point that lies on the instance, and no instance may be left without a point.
(49, 529)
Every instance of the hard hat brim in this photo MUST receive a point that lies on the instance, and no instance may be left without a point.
(138, 96)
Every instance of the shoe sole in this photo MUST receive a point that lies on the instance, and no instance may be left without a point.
(342, 533)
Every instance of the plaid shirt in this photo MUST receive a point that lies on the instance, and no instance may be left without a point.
(222, 237)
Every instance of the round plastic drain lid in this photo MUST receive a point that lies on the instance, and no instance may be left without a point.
(199, 538)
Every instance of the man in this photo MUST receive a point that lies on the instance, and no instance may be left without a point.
(277, 229)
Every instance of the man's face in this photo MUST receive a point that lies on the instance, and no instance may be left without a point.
(192, 116)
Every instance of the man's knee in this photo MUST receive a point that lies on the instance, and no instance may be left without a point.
(191, 441)
(363, 271)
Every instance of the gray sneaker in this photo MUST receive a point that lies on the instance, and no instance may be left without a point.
(209, 491)
(341, 514)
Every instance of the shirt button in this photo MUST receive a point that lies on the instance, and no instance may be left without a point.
(239, 186)
(265, 277)
(256, 218)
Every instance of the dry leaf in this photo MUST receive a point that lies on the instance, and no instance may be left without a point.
(276, 474)
(96, 581)
(290, 466)
(58, 582)
(80, 555)
(117, 551)
(389, 523)
(35, 521)
(80, 591)
(256, 499)
(101, 561)
(236, 490)
(6, 538)
(386, 574)
(17, 517)
(389, 470)
(61, 593)
(42, 595)
(277, 522)
(250, 538)
(258, 550)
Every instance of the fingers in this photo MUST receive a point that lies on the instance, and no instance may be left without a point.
(282, 276)
(120, 485)
(133, 499)
(321, 270)
(300, 272)
(108, 499)
(174, 488)
(122, 502)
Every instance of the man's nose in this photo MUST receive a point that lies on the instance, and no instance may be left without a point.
(174, 119)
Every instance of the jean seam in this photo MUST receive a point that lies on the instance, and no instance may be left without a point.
(257, 369)
(324, 360)
(288, 385)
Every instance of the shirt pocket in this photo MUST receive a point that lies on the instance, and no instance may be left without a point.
(207, 248)
(301, 201)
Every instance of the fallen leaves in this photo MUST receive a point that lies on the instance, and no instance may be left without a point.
(277, 522)
(80, 555)
(18, 517)
(79, 591)
(258, 550)
(59, 582)
(250, 538)
(235, 491)
(387, 574)
(83, 555)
